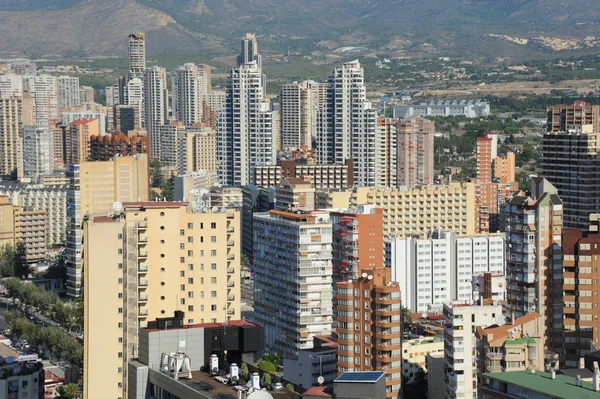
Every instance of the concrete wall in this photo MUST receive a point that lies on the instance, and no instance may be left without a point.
(189, 340)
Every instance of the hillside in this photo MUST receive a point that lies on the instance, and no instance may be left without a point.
(89, 27)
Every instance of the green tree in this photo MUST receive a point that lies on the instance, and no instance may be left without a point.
(156, 175)
(267, 378)
(267, 366)
(167, 189)
(71, 391)
(244, 370)
(290, 387)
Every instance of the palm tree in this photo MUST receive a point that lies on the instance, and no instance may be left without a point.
(405, 314)
(70, 391)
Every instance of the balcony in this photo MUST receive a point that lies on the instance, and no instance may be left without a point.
(143, 313)
(142, 298)
(231, 298)
(230, 270)
(143, 253)
(494, 355)
(142, 268)
(230, 230)
(230, 311)
(142, 238)
(143, 224)
(230, 257)
(230, 243)
(143, 283)
(230, 284)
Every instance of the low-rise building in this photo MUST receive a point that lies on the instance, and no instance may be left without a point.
(415, 352)
(21, 378)
(318, 361)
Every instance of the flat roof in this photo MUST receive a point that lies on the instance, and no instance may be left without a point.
(360, 376)
(230, 323)
(562, 387)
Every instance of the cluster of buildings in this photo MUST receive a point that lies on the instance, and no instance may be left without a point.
(332, 213)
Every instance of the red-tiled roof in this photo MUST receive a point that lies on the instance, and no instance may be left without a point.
(82, 121)
(317, 391)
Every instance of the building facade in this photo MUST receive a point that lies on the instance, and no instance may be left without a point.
(105, 148)
(156, 106)
(186, 94)
(38, 155)
(415, 151)
(137, 55)
(11, 150)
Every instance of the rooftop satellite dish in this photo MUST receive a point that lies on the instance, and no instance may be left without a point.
(215, 209)
(320, 380)
(364, 275)
(9, 360)
(204, 210)
(424, 315)
(370, 277)
(117, 206)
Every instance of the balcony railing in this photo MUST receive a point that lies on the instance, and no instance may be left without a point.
(231, 270)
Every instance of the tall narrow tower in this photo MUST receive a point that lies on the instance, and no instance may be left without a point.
(186, 89)
(155, 104)
(249, 50)
(137, 55)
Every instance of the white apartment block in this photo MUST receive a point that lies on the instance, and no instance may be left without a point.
(186, 94)
(52, 199)
(44, 93)
(302, 106)
(244, 127)
(440, 269)
(38, 154)
(470, 109)
(293, 279)
(134, 96)
(137, 55)
(68, 91)
(460, 345)
(11, 85)
(155, 104)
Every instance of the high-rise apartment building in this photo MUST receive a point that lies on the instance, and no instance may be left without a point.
(144, 262)
(254, 200)
(415, 211)
(386, 160)
(105, 148)
(534, 224)
(38, 156)
(581, 250)
(415, 151)
(137, 55)
(50, 199)
(245, 127)
(570, 162)
(495, 182)
(461, 323)
(369, 327)
(11, 150)
(126, 118)
(321, 176)
(351, 128)
(72, 116)
(293, 288)
(357, 241)
(205, 76)
(77, 140)
(156, 105)
(30, 229)
(87, 95)
(563, 118)
(11, 85)
(187, 149)
(95, 187)
(43, 93)
(302, 109)
(186, 94)
(205, 150)
(249, 51)
(68, 91)
(441, 268)
(7, 222)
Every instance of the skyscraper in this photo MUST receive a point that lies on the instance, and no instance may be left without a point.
(43, 90)
(533, 262)
(351, 131)
(137, 55)
(415, 151)
(302, 105)
(38, 157)
(186, 91)
(245, 127)
(68, 91)
(292, 263)
(155, 105)
(249, 51)
(386, 158)
(11, 150)
(95, 187)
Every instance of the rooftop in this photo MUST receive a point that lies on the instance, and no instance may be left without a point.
(563, 387)
(231, 323)
(360, 376)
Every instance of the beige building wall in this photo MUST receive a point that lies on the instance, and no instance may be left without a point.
(159, 258)
(413, 211)
(30, 228)
(7, 223)
(205, 149)
(11, 146)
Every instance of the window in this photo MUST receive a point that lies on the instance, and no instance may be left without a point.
(190, 280)
(182, 259)
(190, 294)
(190, 253)
(190, 267)
(367, 339)
(201, 280)
(182, 301)
(182, 287)
(181, 245)
(213, 225)
(201, 239)
(213, 280)
(190, 321)
(213, 308)
(201, 252)
(120, 265)
(120, 310)
(213, 238)
(181, 232)
(120, 340)
(190, 240)
(120, 280)
(190, 226)
(120, 369)
(201, 225)
(213, 294)
(120, 355)
(120, 295)
(213, 252)
(367, 351)
(213, 266)
(120, 325)
(120, 236)
(190, 308)
(181, 273)
(120, 251)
